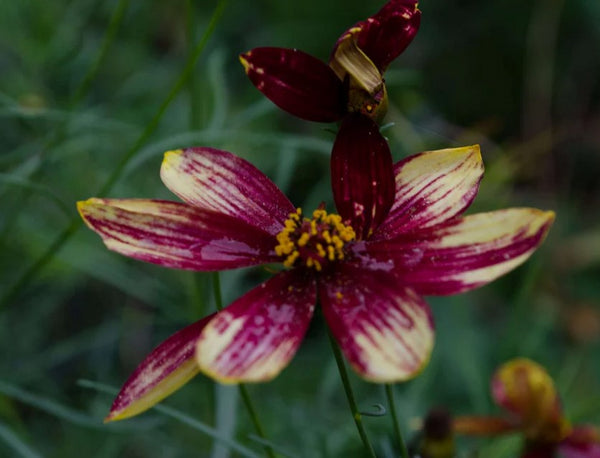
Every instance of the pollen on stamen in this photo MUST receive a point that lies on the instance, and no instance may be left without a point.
(313, 242)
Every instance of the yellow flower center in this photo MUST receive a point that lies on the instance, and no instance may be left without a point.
(313, 242)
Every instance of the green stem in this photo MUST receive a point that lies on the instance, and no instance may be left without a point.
(216, 284)
(111, 33)
(350, 395)
(389, 391)
(255, 420)
(76, 223)
(193, 82)
(243, 391)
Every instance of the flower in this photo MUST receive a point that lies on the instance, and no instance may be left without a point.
(397, 236)
(352, 82)
(526, 391)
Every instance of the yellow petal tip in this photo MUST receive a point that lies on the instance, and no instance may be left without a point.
(118, 416)
(171, 156)
(245, 62)
(83, 204)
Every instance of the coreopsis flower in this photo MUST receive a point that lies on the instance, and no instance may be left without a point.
(398, 235)
(527, 393)
(353, 80)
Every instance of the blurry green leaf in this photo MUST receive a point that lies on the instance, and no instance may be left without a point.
(176, 414)
(16, 444)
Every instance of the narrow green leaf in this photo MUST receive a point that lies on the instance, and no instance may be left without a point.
(15, 443)
(178, 415)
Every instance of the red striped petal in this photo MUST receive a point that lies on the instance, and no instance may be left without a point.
(387, 33)
(296, 82)
(177, 235)
(255, 337)
(431, 188)
(222, 182)
(164, 371)
(384, 329)
(459, 255)
(362, 174)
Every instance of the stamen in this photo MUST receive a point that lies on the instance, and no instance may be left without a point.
(313, 242)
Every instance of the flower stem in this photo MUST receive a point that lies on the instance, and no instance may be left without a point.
(389, 391)
(216, 282)
(195, 96)
(350, 395)
(254, 417)
(111, 33)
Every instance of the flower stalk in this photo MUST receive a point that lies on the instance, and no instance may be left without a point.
(216, 282)
(350, 395)
(389, 392)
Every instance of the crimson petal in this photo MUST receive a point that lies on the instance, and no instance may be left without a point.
(583, 442)
(432, 187)
(384, 329)
(362, 174)
(177, 235)
(570, 450)
(219, 181)
(461, 254)
(296, 82)
(165, 370)
(387, 33)
(256, 336)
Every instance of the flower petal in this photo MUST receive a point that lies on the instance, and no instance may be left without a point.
(350, 59)
(296, 82)
(361, 174)
(524, 388)
(583, 442)
(164, 371)
(222, 182)
(177, 235)
(387, 33)
(384, 329)
(254, 338)
(459, 255)
(432, 187)
(482, 426)
(570, 450)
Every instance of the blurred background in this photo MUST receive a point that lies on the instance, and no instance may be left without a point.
(84, 87)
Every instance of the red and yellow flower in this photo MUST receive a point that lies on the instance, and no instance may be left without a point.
(352, 81)
(527, 393)
(399, 234)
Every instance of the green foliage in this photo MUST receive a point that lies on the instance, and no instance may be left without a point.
(94, 91)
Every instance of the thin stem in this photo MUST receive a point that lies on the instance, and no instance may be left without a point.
(350, 395)
(255, 420)
(193, 82)
(243, 391)
(111, 33)
(389, 391)
(76, 222)
(216, 284)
